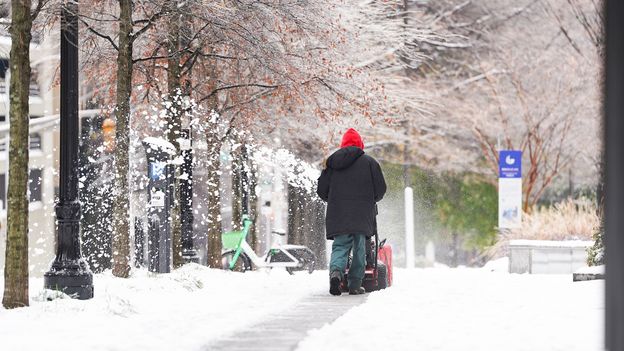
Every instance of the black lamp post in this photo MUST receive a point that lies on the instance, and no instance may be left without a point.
(186, 198)
(69, 271)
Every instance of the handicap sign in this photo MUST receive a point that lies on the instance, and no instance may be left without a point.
(510, 164)
(157, 170)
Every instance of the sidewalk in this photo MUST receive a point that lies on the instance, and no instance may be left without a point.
(284, 331)
(190, 308)
(471, 309)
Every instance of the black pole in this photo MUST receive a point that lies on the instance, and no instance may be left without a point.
(69, 271)
(186, 198)
(614, 186)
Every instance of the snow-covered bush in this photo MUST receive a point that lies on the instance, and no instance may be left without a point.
(572, 219)
(596, 253)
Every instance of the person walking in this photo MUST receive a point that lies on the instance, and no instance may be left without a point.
(351, 184)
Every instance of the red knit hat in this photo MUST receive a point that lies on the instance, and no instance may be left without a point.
(352, 138)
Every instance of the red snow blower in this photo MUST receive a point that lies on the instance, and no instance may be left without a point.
(378, 273)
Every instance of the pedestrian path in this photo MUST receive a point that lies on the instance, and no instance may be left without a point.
(285, 330)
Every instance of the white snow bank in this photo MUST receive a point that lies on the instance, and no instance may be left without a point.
(591, 270)
(184, 310)
(471, 309)
(552, 243)
(498, 265)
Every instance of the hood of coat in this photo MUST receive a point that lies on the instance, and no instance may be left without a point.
(352, 138)
(344, 157)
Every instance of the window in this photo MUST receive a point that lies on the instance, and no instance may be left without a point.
(4, 67)
(34, 184)
(35, 141)
(34, 85)
(34, 77)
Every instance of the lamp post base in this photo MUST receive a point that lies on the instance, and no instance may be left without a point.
(75, 281)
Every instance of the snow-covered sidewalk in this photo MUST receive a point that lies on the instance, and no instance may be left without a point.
(426, 309)
(184, 310)
(471, 309)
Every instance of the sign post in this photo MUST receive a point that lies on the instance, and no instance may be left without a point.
(510, 189)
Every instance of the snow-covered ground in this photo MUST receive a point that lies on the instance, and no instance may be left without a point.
(184, 310)
(427, 309)
(471, 309)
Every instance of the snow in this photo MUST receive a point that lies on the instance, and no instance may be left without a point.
(184, 310)
(498, 265)
(471, 309)
(161, 143)
(299, 173)
(591, 270)
(434, 309)
(552, 243)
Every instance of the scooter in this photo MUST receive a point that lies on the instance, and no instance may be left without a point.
(239, 256)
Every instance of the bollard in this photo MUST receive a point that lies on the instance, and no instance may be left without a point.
(409, 228)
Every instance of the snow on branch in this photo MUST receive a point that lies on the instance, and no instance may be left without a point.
(299, 173)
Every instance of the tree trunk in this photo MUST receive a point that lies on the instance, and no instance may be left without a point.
(214, 201)
(316, 232)
(121, 220)
(174, 124)
(16, 263)
(306, 222)
(237, 164)
(252, 178)
(295, 215)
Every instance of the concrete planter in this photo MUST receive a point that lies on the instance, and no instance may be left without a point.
(589, 273)
(547, 257)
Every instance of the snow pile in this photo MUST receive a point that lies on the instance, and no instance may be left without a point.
(184, 310)
(498, 265)
(591, 270)
(552, 243)
(471, 309)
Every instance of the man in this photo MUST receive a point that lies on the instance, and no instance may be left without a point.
(351, 184)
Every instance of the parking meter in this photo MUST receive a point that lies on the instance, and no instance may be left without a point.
(160, 172)
(186, 197)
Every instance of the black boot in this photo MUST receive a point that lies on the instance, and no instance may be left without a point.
(334, 283)
(357, 291)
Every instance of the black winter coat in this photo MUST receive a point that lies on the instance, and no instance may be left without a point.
(351, 184)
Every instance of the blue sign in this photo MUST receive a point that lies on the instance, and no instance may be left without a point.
(157, 170)
(510, 164)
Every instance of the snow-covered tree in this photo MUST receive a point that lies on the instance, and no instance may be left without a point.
(509, 74)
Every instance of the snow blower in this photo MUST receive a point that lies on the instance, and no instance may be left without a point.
(378, 273)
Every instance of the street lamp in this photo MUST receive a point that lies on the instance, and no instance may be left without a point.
(69, 272)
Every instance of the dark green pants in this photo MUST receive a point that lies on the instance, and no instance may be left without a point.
(340, 254)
